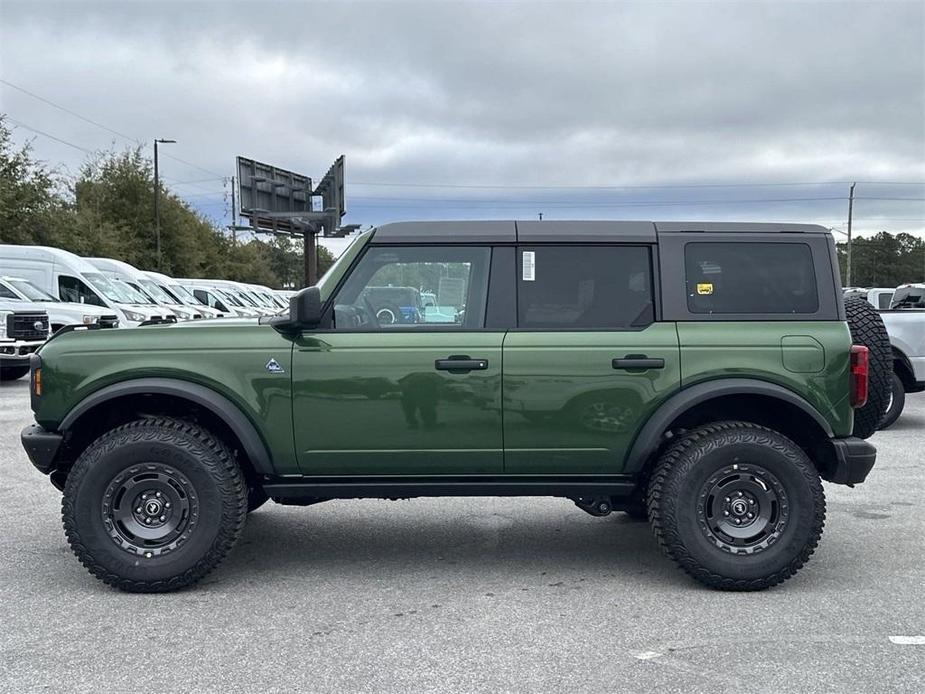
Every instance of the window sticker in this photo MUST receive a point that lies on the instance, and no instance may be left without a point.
(704, 288)
(529, 266)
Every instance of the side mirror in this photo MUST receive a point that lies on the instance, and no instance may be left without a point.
(305, 308)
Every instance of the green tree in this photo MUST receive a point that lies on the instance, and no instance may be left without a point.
(884, 260)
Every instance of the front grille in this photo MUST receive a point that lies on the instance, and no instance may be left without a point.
(109, 321)
(27, 326)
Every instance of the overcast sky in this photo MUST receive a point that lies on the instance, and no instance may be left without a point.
(580, 104)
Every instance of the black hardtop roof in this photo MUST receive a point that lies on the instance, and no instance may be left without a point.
(573, 231)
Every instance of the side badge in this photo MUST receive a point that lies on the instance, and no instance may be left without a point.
(273, 367)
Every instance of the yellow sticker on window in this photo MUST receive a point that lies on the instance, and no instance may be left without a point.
(705, 288)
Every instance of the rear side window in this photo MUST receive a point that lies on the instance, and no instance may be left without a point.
(745, 277)
(584, 287)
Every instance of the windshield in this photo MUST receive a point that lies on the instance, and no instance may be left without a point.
(183, 295)
(114, 290)
(909, 297)
(227, 296)
(30, 291)
(155, 292)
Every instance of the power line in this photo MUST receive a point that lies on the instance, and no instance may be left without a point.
(409, 184)
(48, 135)
(101, 125)
(69, 111)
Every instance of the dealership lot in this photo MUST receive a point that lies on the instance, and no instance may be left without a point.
(468, 595)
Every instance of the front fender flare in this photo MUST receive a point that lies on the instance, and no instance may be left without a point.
(253, 444)
(650, 437)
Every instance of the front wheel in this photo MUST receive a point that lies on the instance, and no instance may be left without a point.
(154, 505)
(737, 506)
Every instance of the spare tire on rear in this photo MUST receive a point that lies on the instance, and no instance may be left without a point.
(867, 329)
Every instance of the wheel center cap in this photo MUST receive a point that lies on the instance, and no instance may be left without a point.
(739, 507)
(153, 507)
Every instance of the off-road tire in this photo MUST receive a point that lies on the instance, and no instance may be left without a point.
(896, 403)
(11, 373)
(676, 505)
(867, 329)
(210, 477)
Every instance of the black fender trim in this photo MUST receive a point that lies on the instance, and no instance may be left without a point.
(254, 446)
(650, 438)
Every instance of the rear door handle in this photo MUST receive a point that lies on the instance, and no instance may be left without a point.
(638, 361)
(460, 364)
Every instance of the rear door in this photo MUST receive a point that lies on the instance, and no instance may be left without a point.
(588, 362)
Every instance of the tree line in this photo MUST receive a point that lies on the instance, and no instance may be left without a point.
(883, 260)
(107, 210)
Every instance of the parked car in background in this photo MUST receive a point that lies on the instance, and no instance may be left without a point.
(880, 297)
(60, 313)
(24, 328)
(906, 329)
(182, 295)
(909, 296)
(70, 278)
(212, 296)
(148, 288)
(222, 293)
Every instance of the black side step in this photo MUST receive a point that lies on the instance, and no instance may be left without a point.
(393, 487)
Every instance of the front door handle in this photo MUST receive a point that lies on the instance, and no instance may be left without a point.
(460, 364)
(633, 362)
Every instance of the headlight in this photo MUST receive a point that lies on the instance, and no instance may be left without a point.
(135, 317)
(3, 315)
(88, 320)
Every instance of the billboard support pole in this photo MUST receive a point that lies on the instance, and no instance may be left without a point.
(311, 258)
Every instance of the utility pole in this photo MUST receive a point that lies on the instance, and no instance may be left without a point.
(157, 199)
(850, 210)
(234, 216)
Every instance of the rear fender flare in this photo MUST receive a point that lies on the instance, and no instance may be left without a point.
(650, 437)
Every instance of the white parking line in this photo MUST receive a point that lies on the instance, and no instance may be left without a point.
(648, 655)
(908, 640)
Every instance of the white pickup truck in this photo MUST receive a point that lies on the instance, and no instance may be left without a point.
(23, 329)
(906, 328)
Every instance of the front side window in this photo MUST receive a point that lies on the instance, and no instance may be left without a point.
(74, 290)
(7, 293)
(584, 287)
(750, 278)
(415, 287)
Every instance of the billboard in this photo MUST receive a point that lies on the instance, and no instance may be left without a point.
(272, 197)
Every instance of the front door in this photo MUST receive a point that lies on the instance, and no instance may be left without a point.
(405, 381)
(587, 363)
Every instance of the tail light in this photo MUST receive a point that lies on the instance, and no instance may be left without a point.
(860, 358)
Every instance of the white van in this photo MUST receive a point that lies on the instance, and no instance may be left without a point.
(59, 313)
(180, 293)
(220, 298)
(70, 278)
(139, 281)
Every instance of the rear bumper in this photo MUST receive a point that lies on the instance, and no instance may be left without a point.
(853, 460)
(41, 447)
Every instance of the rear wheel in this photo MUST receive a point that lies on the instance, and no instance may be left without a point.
(867, 329)
(896, 404)
(737, 506)
(154, 505)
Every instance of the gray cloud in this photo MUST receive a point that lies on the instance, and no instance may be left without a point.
(532, 94)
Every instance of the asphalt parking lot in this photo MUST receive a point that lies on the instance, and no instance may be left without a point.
(465, 595)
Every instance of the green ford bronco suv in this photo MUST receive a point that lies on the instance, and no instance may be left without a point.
(703, 376)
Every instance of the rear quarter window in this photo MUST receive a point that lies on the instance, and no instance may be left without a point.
(750, 277)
